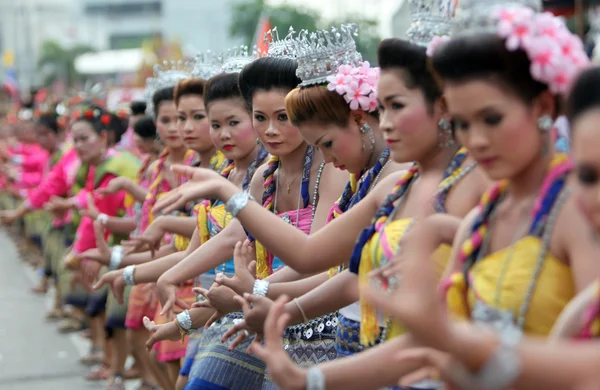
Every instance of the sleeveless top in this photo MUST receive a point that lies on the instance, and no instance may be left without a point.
(523, 296)
(301, 218)
(378, 244)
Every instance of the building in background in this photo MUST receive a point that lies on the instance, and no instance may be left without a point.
(108, 25)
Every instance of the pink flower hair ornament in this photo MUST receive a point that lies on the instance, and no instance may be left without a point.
(358, 86)
(557, 56)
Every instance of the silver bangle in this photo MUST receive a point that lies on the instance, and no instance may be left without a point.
(315, 380)
(184, 320)
(499, 372)
(128, 275)
(237, 202)
(102, 218)
(116, 257)
(261, 287)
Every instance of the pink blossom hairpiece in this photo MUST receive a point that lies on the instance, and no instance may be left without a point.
(557, 56)
(358, 86)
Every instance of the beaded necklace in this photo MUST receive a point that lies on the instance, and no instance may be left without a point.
(264, 265)
(384, 215)
(544, 214)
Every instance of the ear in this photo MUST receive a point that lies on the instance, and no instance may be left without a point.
(545, 104)
(440, 108)
(359, 116)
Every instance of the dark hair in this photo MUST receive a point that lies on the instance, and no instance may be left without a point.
(485, 56)
(192, 86)
(412, 62)
(162, 95)
(94, 115)
(266, 74)
(138, 108)
(222, 87)
(585, 94)
(145, 128)
(50, 121)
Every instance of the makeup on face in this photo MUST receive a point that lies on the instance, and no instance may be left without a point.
(231, 128)
(192, 123)
(166, 125)
(272, 125)
(497, 128)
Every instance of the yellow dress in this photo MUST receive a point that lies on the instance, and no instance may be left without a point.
(554, 287)
(383, 245)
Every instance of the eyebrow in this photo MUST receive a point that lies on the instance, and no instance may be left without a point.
(390, 97)
(319, 139)
(230, 117)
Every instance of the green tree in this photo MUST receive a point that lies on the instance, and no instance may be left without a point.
(247, 14)
(58, 63)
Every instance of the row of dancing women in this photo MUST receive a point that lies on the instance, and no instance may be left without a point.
(425, 232)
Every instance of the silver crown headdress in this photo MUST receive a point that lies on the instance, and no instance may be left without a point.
(429, 18)
(234, 60)
(166, 75)
(321, 53)
(473, 16)
(207, 65)
(282, 48)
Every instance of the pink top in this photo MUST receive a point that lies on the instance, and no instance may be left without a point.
(31, 161)
(106, 204)
(57, 182)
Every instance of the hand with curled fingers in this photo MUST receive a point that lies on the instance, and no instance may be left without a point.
(115, 280)
(101, 254)
(284, 372)
(164, 332)
(167, 296)
(115, 185)
(245, 269)
(255, 310)
(219, 298)
(91, 210)
(201, 184)
(150, 240)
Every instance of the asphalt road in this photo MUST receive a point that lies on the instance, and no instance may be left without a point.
(33, 355)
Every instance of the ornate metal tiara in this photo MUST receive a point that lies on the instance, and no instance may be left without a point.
(166, 75)
(281, 48)
(234, 60)
(473, 16)
(429, 18)
(206, 65)
(321, 53)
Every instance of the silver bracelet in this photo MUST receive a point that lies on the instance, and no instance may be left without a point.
(128, 275)
(116, 257)
(237, 202)
(102, 218)
(261, 287)
(184, 320)
(499, 372)
(315, 380)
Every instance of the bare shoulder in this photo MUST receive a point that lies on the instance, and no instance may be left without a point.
(258, 181)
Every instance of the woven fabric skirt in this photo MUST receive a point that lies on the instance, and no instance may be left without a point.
(314, 342)
(54, 249)
(215, 367)
(168, 351)
(190, 353)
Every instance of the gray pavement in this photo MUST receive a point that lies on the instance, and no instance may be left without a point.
(33, 355)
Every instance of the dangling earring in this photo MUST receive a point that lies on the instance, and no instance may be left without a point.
(545, 123)
(258, 141)
(446, 139)
(365, 129)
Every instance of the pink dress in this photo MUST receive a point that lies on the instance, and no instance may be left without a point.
(31, 161)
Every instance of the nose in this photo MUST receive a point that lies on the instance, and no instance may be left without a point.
(476, 139)
(224, 134)
(172, 128)
(385, 123)
(187, 127)
(271, 130)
